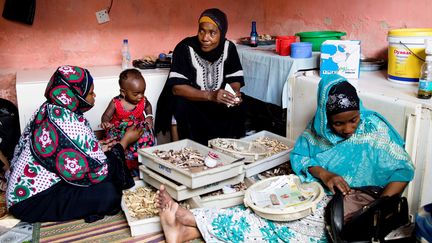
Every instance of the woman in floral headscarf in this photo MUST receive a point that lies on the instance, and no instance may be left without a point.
(60, 171)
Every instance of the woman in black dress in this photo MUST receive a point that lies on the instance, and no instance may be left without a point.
(195, 92)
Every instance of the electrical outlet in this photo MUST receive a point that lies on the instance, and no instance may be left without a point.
(102, 16)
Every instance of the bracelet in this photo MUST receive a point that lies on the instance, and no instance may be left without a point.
(150, 115)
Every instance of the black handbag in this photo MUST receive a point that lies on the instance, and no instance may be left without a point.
(371, 223)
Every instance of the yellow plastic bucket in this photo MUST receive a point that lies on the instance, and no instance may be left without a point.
(406, 54)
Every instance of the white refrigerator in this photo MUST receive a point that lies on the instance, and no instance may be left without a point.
(411, 117)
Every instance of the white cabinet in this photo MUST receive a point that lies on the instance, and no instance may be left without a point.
(411, 117)
(31, 84)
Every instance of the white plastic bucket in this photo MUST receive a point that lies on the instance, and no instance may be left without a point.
(406, 54)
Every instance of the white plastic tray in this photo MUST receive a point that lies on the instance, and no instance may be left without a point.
(220, 201)
(230, 167)
(271, 161)
(181, 192)
(287, 213)
(251, 152)
(141, 226)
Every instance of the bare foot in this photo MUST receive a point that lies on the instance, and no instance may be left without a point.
(184, 216)
(174, 230)
(162, 197)
(171, 227)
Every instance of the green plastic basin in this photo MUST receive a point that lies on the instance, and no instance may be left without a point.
(318, 37)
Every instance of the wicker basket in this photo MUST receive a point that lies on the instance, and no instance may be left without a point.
(289, 213)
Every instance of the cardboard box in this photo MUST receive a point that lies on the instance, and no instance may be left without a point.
(340, 57)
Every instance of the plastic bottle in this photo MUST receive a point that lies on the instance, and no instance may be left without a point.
(425, 80)
(126, 61)
(253, 35)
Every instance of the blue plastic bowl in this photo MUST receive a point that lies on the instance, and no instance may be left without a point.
(301, 50)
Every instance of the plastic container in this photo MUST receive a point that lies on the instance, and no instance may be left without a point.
(181, 192)
(141, 226)
(425, 81)
(318, 37)
(290, 39)
(239, 149)
(219, 201)
(271, 161)
(222, 200)
(193, 178)
(126, 57)
(301, 50)
(406, 54)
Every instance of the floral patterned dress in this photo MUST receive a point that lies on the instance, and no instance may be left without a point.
(122, 119)
(58, 144)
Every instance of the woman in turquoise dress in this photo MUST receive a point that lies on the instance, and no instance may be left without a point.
(345, 145)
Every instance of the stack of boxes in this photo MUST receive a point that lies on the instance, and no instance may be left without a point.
(191, 184)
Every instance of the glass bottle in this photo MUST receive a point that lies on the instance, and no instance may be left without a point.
(253, 35)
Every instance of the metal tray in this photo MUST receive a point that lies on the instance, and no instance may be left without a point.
(246, 41)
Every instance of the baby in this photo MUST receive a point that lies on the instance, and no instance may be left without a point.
(130, 108)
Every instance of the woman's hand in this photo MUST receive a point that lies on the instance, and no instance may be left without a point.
(238, 98)
(331, 180)
(106, 125)
(224, 97)
(107, 144)
(132, 134)
(220, 96)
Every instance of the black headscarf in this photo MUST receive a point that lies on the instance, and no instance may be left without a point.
(342, 97)
(220, 19)
(165, 108)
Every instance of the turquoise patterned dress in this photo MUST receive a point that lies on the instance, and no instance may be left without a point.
(240, 224)
(373, 156)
